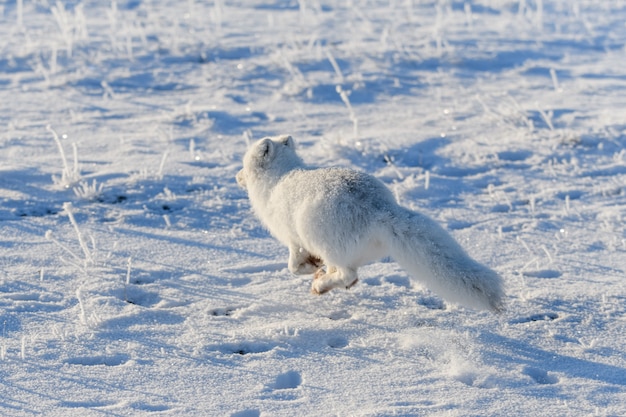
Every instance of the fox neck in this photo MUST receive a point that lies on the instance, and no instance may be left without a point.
(260, 189)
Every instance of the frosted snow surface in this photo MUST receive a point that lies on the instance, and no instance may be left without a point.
(134, 280)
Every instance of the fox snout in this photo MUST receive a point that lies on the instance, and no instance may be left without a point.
(241, 179)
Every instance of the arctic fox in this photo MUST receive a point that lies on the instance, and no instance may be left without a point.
(343, 219)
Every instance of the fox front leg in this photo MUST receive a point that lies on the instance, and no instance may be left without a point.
(302, 262)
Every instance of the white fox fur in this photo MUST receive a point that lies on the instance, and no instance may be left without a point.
(344, 219)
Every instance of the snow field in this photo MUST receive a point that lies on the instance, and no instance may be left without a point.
(135, 281)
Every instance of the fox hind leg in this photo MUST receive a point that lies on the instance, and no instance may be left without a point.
(333, 277)
(301, 262)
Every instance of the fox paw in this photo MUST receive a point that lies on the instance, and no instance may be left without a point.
(319, 291)
(321, 272)
(324, 281)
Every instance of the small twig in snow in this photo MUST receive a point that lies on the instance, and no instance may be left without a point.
(61, 245)
(344, 97)
(546, 118)
(162, 164)
(68, 177)
(82, 316)
(68, 210)
(543, 247)
(333, 62)
(555, 80)
(88, 192)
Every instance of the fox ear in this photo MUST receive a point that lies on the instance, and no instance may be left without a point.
(265, 149)
(287, 140)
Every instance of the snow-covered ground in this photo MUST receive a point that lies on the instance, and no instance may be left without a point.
(134, 279)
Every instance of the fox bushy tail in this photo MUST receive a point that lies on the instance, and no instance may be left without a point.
(431, 255)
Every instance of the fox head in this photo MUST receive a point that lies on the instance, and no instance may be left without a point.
(268, 158)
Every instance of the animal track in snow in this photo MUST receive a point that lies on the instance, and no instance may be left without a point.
(374, 282)
(432, 303)
(459, 225)
(288, 380)
(223, 312)
(134, 295)
(21, 296)
(247, 413)
(544, 273)
(285, 387)
(540, 376)
(339, 315)
(536, 317)
(245, 348)
(99, 360)
(38, 212)
(514, 155)
(399, 281)
(254, 268)
(338, 342)
(87, 404)
(149, 407)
